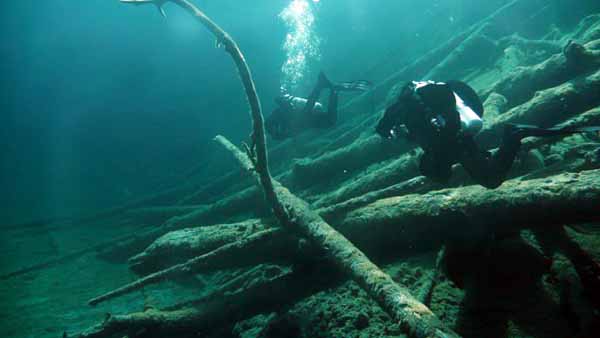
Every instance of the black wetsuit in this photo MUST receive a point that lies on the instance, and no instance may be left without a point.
(293, 115)
(444, 145)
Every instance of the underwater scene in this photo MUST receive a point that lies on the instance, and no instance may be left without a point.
(300, 168)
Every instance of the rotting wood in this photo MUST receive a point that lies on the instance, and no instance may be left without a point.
(548, 107)
(521, 84)
(429, 219)
(261, 289)
(222, 257)
(414, 318)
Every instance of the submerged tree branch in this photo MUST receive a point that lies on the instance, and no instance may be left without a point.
(414, 318)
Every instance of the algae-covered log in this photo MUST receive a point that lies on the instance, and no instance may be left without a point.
(246, 200)
(473, 213)
(158, 214)
(550, 106)
(589, 118)
(263, 288)
(398, 170)
(229, 255)
(494, 105)
(417, 220)
(359, 154)
(183, 244)
(474, 52)
(422, 65)
(414, 318)
(521, 84)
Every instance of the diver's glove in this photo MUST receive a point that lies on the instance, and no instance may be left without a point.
(438, 122)
(393, 133)
(385, 128)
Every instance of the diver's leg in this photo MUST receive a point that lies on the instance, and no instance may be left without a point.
(434, 167)
(489, 169)
(323, 82)
(332, 107)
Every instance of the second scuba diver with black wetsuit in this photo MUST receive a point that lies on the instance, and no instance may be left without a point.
(443, 119)
(296, 114)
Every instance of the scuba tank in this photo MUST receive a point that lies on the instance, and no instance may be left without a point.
(299, 103)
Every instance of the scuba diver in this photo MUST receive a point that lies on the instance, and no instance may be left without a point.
(443, 119)
(295, 114)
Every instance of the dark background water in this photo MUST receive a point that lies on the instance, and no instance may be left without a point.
(103, 102)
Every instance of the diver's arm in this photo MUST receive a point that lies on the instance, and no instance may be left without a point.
(391, 122)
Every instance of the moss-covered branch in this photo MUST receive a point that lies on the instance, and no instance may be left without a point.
(261, 289)
(521, 84)
(220, 257)
(414, 318)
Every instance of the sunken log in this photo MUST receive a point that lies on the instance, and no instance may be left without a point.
(180, 245)
(414, 318)
(398, 170)
(549, 107)
(227, 256)
(521, 84)
(359, 154)
(420, 67)
(414, 220)
(158, 214)
(423, 222)
(494, 105)
(263, 288)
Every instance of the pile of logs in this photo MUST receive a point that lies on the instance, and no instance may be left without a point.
(360, 195)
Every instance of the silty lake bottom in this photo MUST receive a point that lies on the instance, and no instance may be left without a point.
(467, 206)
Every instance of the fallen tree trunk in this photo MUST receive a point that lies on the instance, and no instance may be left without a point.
(48, 263)
(587, 29)
(414, 318)
(357, 155)
(434, 217)
(159, 214)
(521, 85)
(422, 65)
(180, 245)
(548, 107)
(398, 170)
(585, 265)
(589, 118)
(544, 46)
(384, 178)
(261, 289)
(494, 105)
(226, 256)
(247, 200)
(476, 51)
(420, 222)
(212, 190)
(426, 291)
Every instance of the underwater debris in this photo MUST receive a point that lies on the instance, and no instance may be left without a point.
(549, 107)
(564, 198)
(414, 318)
(386, 209)
(523, 83)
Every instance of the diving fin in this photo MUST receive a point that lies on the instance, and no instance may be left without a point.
(161, 10)
(157, 3)
(350, 86)
(323, 81)
(526, 130)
